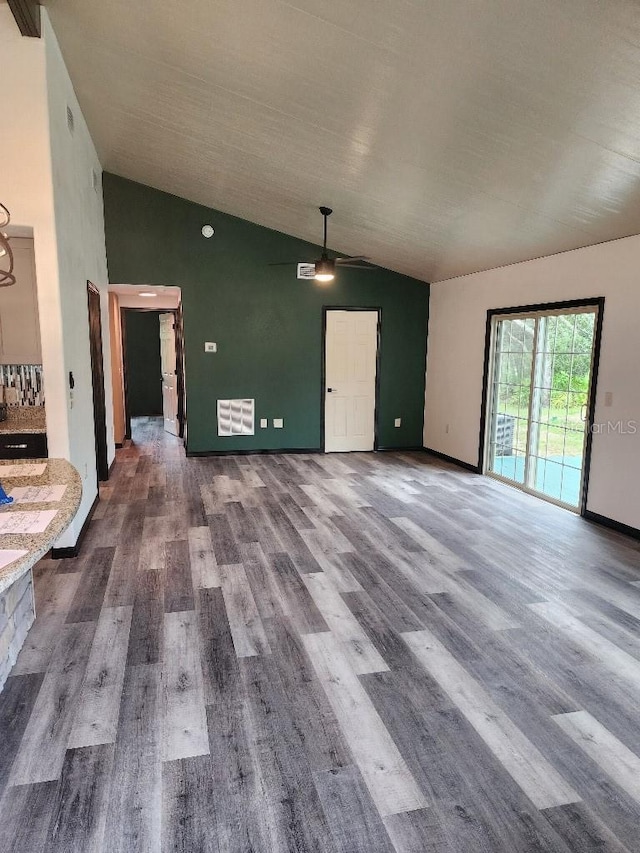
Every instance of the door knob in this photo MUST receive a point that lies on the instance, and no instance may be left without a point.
(331, 389)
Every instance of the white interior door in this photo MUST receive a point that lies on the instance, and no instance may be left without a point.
(168, 363)
(351, 348)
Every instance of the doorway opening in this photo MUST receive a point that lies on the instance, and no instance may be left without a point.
(350, 379)
(97, 381)
(539, 398)
(148, 358)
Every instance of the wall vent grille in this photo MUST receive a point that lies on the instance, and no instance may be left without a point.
(306, 271)
(236, 417)
(71, 122)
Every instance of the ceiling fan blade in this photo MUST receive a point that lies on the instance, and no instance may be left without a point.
(343, 261)
(286, 264)
(357, 267)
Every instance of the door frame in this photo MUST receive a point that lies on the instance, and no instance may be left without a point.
(96, 354)
(593, 302)
(323, 375)
(179, 333)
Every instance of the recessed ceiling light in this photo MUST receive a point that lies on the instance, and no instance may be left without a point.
(148, 294)
(207, 231)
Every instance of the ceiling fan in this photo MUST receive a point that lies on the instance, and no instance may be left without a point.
(325, 267)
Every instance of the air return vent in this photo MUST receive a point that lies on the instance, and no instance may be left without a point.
(236, 417)
(71, 122)
(306, 271)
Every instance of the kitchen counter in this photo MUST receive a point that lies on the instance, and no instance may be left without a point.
(58, 472)
(24, 419)
(17, 602)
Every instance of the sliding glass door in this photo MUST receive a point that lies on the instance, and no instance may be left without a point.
(541, 369)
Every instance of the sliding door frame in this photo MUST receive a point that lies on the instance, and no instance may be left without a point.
(596, 303)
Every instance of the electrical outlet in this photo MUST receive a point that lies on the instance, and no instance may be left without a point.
(209, 346)
(278, 423)
(397, 422)
(608, 398)
(264, 423)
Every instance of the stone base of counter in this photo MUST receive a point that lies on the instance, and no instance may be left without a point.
(17, 613)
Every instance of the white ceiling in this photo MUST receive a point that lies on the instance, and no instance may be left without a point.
(449, 136)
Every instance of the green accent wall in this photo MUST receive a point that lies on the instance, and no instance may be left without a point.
(267, 324)
(143, 369)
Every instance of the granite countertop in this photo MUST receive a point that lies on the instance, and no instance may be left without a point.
(58, 472)
(24, 419)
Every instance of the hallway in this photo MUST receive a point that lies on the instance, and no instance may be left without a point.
(344, 653)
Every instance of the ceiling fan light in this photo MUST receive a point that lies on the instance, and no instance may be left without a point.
(324, 270)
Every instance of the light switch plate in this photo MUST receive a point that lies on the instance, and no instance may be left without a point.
(278, 423)
(608, 398)
(264, 423)
(210, 346)
(397, 422)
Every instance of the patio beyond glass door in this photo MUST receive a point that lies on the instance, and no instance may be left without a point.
(542, 366)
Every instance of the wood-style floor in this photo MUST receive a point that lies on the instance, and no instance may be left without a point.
(349, 654)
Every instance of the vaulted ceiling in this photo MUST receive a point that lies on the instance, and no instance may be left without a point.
(449, 136)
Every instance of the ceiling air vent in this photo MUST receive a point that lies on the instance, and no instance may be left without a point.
(306, 270)
(71, 123)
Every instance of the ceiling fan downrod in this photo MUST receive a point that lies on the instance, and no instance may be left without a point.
(326, 213)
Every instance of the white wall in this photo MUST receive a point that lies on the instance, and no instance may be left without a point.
(79, 225)
(117, 369)
(456, 354)
(46, 184)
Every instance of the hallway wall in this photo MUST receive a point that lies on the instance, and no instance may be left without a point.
(117, 369)
(143, 368)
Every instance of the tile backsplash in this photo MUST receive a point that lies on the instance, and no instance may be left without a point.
(27, 382)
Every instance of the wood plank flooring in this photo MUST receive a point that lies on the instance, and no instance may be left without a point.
(360, 653)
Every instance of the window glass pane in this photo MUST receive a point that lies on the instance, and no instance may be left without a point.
(546, 344)
(519, 463)
(585, 327)
(552, 479)
(580, 373)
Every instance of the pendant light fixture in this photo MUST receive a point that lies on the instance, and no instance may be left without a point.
(325, 266)
(7, 277)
